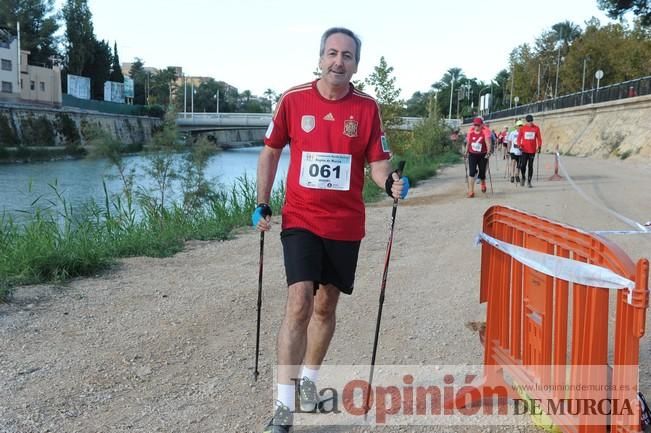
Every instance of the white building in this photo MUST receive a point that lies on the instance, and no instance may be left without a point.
(9, 67)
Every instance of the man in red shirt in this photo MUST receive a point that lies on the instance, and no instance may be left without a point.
(333, 129)
(530, 143)
(478, 146)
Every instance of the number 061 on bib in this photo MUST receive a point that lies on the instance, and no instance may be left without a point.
(321, 170)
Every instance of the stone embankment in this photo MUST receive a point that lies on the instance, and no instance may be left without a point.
(46, 126)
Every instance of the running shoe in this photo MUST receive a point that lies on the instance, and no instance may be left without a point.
(282, 420)
(309, 399)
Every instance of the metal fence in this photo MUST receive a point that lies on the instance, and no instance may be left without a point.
(626, 89)
(102, 106)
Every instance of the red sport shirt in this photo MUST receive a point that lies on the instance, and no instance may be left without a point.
(529, 138)
(477, 142)
(329, 143)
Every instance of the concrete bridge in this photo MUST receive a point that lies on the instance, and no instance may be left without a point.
(221, 121)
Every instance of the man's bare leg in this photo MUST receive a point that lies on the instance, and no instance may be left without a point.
(322, 325)
(293, 335)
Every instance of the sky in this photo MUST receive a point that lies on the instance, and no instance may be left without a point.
(259, 44)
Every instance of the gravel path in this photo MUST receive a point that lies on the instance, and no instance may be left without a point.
(166, 345)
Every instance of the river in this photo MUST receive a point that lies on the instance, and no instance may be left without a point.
(81, 180)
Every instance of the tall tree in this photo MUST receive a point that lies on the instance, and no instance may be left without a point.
(448, 83)
(617, 8)
(116, 68)
(163, 87)
(621, 53)
(272, 97)
(139, 75)
(386, 93)
(80, 42)
(38, 24)
(566, 32)
(99, 69)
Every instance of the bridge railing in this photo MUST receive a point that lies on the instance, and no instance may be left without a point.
(203, 120)
(223, 119)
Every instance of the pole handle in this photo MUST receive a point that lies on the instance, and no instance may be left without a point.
(401, 167)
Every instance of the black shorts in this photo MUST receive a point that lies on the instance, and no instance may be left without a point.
(514, 157)
(309, 257)
(477, 163)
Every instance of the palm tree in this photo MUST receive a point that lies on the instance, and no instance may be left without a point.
(566, 32)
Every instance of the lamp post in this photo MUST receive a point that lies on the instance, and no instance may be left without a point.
(538, 87)
(451, 94)
(479, 107)
(558, 62)
(516, 100)
(585, 59)
(191, 97)
(217, 102)
(512, 80)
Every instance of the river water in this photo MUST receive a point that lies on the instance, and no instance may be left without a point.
(81, 180)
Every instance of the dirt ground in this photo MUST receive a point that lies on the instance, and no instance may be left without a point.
(167, 345)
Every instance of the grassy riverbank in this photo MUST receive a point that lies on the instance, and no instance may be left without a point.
(56, 241)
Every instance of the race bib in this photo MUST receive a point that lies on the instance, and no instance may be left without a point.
(529, 135)
(321, 170)
(476, 146)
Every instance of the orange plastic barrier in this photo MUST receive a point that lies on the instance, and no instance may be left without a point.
(543, 330)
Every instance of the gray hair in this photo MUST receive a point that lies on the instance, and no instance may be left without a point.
(331, 31)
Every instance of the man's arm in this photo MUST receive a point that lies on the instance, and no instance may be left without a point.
(539, 140)
(267, 166)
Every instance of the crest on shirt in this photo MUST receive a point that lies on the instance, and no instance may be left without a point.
(350, 127)
(308, 122)
(385, 144)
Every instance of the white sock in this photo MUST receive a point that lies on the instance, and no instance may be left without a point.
(311, 374)
(286, 396)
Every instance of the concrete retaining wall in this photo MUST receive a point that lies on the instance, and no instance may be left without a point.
(235, 138)
(127, 129)
(615, 129)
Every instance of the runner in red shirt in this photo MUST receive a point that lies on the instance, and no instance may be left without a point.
(478, 145)
(333, 130)
(530, 142)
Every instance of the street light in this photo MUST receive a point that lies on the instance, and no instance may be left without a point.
(585, 59)
(217, 102)
(192, 97)
(558, 62)
(479, 108)
(451, 94)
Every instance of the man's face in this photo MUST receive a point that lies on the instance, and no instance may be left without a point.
(338, 60)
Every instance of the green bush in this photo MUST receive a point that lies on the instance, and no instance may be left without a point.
(38, 131)
(67, 128)
(8, 136)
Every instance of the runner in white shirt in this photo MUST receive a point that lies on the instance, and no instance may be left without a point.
(515, 152)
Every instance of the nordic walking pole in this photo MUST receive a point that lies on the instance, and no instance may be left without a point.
(257, 330)
(383, 286)
(490, 178)
(538, 168)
